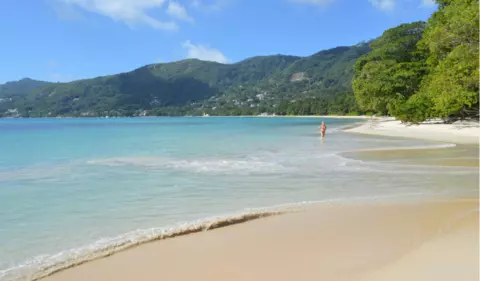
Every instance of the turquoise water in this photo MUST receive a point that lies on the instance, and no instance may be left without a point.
(70, 188)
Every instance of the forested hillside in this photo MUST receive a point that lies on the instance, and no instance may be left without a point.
(272, 84)
(12, 92)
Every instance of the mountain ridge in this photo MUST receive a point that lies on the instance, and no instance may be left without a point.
(189, 86)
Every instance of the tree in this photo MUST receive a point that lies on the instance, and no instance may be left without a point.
(451, 39)
(392, 71)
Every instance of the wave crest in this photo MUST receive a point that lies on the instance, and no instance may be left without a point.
(196, 165)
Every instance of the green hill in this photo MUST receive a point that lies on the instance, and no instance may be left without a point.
(21, 87)
(13, 92)
(191, 87)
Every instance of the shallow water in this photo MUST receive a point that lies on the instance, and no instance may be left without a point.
(70, 187)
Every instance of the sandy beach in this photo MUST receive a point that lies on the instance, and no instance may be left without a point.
(458, 132)
(344, 242)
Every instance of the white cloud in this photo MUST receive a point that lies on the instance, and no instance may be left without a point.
(384, 5)
(178, 11)
(313, 2)
(131, 12)
(212, 6)
(201, 52)
(428, 3)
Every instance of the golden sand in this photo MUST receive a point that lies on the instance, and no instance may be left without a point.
(334, 242)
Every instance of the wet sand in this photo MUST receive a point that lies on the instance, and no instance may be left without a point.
(455, 156)
(337, 242)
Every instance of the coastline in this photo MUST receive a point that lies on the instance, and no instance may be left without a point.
(458, 132)
(291, 116)
(314, 213)
(336, 241)
(225, 116)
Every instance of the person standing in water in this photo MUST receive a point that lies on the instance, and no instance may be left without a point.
(323, 129)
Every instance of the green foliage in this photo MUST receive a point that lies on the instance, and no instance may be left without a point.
(21, 87)
(392, 71)
(416, 109)
(453, 85)
(340, 104)
(452, 41)
(10, 92)
(436, 76)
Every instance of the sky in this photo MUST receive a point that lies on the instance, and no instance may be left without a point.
(65, 40)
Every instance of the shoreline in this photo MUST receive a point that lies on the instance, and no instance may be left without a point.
(225, 116)
(125, 242)
(387, 235)
(458, 132)
(121, 243)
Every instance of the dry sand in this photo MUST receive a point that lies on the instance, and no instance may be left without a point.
(335, 242)
(458, 132)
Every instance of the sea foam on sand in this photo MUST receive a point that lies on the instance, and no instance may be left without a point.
(435, 240)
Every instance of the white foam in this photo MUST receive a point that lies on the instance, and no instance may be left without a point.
(207, 165)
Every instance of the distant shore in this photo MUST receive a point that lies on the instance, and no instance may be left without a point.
(461, 132)
(290, 116)
(331, 116)
(213, 116)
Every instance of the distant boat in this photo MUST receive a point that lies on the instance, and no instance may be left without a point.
(205, 114)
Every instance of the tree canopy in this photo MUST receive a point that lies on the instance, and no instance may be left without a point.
(392, 72)
(417, 71)
(451, 40)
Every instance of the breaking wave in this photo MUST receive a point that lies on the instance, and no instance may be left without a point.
(196, 165)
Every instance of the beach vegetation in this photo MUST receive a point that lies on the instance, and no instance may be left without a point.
(423, 70)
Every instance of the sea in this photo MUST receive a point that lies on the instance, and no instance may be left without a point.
(76, 189)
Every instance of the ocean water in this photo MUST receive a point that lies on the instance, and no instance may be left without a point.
(72, 189)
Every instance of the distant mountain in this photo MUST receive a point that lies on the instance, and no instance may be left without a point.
(190, 87)
(21, 87)
(13, 92)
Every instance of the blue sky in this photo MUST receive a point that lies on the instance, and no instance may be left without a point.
(64, 40)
